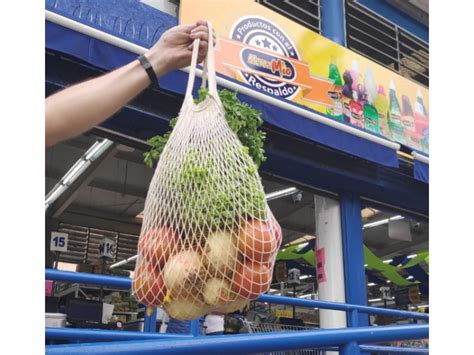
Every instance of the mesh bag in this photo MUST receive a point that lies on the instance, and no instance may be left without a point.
(208, 241)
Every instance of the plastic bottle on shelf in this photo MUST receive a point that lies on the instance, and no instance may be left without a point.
(394, 114)
(335, 93)
(381, 104)
(421, 121)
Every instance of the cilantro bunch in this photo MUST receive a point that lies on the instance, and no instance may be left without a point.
(242, 119)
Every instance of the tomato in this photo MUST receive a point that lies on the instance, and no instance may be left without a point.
(275, 226)
(148, 286)
(251, 280)
(156, 245)
(257, 240)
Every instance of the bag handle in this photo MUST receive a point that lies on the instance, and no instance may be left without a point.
(209, 71)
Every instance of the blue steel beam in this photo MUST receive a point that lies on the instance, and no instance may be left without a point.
(245, 343)
(333, 21)
(126, 283)
(353, 253)
(106, 335)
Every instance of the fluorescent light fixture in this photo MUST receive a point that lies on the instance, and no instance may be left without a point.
(375, 300)
(75, 171)
(123, 262)
(381, 222)
(97, 149)
(371, 284)
(281, 193)
(388, 261)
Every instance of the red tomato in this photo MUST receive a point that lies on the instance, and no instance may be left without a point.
(275, 226)
(156, 245)
(251, 280)
(148, 286)
(257, 241)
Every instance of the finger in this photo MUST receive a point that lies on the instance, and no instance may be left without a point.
(186, 28)
(200, 28)
(201, 23)
(202, 35)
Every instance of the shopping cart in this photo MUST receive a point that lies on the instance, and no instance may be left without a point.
(261, 327)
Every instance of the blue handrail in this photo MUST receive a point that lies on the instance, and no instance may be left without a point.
(125, 282)
(347, 339)
(245, 343)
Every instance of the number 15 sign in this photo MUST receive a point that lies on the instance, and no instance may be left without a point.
(58, 241)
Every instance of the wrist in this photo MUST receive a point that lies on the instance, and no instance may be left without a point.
(158, 62)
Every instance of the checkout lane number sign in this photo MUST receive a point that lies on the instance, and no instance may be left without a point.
(106, 248)
(58, 242)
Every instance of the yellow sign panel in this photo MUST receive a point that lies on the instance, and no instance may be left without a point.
(285, 313)
(275, 55)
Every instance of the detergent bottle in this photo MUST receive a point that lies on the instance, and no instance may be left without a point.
(413, 138)
(371, 116)
(355, 74)
(421, 121)
(357, 114)
(381, 105)
(407, 114)
(394, 114)
(346, 96)
(335, 93)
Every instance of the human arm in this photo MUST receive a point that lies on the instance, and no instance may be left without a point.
(78, 108)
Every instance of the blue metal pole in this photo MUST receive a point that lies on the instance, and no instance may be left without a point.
(194, 327)
(105, 335)
(353, 251)
(87, 278)
(393, 349)
(300, 302)
(124, 282)
(150, 321)
(245, 343)
(333, 24)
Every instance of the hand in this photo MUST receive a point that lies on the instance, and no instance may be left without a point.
(175, 47)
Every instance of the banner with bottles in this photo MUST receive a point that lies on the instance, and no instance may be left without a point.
(280, 57)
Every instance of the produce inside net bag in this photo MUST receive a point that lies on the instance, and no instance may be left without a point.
(209, 240)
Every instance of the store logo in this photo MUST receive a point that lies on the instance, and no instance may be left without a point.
(270, 73)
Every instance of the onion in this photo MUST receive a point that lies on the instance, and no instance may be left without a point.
(216, 291)
(233, 306)
(185, 308)
(221, 250)
(181, 269)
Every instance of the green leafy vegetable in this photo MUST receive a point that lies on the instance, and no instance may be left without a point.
(242, 119)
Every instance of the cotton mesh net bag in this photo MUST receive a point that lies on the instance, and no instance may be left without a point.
(209, 240)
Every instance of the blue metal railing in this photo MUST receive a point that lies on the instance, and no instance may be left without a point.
(128, 342)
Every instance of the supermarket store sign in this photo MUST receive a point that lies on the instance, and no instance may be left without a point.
(275, 55)
(261, 33)
(263, 55)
